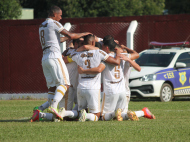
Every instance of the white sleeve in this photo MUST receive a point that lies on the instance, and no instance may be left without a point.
(58, 26)
(103, 55)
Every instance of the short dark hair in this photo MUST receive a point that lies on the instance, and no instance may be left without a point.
(97, 44)
(111, 44)
(76, 41)
(88, 38)
(107, 39)
(52, 10)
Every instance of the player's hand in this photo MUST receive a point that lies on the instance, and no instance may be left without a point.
(80, 70)
(116, 41)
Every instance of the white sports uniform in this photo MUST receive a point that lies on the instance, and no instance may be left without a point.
(54, 68)
(127, 71)
(88, 90)
(71, 97)
(114, 87)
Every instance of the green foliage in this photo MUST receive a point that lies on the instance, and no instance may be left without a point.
(178, 7)
(97, 8)
(9, 9)
(171, 124)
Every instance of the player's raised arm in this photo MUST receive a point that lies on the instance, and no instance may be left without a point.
(132, 63)
(134, 54)
(86, 47)
(73, 35)
(95, 70)
(116, 60)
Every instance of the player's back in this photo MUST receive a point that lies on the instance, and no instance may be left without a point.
(90, 59)
(50, 38)
(113, 77)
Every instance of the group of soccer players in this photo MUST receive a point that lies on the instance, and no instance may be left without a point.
(89, 62)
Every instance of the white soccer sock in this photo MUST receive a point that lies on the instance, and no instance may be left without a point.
(139, 113)
(108, 116)
(59, 93)
(71, 114)
(124, 115)
(91, 117)
(48, 116)
(44, 106)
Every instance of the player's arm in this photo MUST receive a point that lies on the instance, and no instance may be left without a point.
(95, 70)
(134, 54)
(86, 47)
(132, 63)
(73, 35)
(114, 61)
(63, 39)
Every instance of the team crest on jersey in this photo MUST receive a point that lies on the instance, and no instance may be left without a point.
(182, 78)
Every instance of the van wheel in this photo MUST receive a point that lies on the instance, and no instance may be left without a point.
(166, 93)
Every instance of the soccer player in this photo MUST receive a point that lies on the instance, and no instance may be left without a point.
(54, 68)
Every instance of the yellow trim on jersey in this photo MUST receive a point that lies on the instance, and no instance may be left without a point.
(69, 59)
(61, 30)
(106, 57)
(60, 92)
(64, 76)
(182, 88)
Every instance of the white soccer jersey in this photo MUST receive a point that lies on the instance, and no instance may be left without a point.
(90, 59)
(113, 78)
(49, 33)
(72, 69)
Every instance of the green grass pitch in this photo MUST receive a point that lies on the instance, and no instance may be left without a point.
(172, 124)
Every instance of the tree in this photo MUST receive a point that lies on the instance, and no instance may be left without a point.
(178, 7)
(9, 9)
(96, 8)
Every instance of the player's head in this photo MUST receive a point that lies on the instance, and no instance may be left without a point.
(118, 47)
(109, 46)
(78, 42)
(97, 44)
(55, 13)
(107, 39)
(89, 40)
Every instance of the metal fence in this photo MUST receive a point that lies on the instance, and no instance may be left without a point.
(21, 53)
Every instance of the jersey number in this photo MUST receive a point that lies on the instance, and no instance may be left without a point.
(42, 37)
(87, 62)
(117, 72)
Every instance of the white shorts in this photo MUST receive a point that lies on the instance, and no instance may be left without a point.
(111, 102)
(55, 72)
(88, 98)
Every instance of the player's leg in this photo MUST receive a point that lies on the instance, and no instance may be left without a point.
(61, 79)
(109, 102)
(93, 101)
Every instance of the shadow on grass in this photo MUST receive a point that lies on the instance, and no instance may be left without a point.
(22, 120)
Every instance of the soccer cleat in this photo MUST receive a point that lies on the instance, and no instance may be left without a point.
(62, 112)
(118, 115)
(83, 115)
(36, 108)
(35, 116)
(132, 115)
(148, 114)
(54, 112)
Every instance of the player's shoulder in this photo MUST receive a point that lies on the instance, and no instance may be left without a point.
(102, 52)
